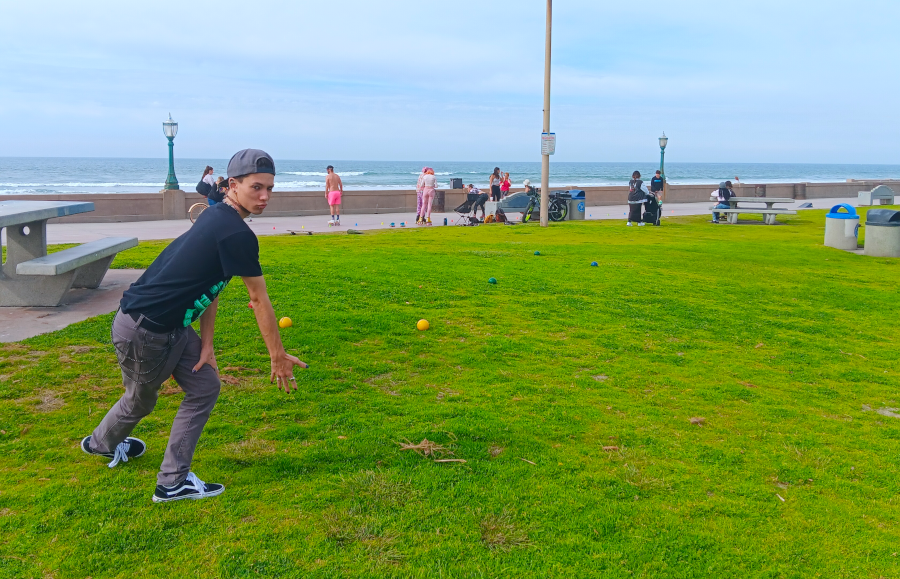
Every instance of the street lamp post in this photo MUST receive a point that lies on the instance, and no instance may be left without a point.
(545, 158)
(170, 129)
(663, 141)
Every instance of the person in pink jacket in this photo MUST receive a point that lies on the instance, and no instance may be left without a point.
(419, 214)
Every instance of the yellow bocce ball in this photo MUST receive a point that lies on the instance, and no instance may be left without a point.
(285, 323)
(422, 325)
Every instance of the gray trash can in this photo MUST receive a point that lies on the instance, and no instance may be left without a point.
(883, 233)
(576, 205)
(842, 228)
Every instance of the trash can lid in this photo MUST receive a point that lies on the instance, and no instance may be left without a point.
(850, 214)
(883, 217)
(576, 193)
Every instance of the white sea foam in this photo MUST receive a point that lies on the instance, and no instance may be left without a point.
(51, 185)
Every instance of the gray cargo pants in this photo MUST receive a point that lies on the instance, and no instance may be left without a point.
(147, 359)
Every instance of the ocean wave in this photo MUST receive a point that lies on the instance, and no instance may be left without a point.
(81, 184)
(321, 173)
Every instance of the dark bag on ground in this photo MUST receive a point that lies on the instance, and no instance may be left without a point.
(204, 188)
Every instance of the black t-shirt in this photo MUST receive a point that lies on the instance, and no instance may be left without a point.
(188, 275)
(656, 184)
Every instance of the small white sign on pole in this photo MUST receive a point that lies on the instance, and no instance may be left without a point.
(548, 143)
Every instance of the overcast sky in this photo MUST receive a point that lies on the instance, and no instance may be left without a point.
(739, 81)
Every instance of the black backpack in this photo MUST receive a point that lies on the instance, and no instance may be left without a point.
(204, 188)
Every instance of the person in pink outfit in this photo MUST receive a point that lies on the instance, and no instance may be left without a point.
(419, 214)
(504, 185)
(334, 190)
(429, 183)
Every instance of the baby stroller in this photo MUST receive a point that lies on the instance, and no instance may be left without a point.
(472, 199)
(652, 209)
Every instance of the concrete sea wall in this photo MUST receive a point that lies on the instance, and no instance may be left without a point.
(118, 207)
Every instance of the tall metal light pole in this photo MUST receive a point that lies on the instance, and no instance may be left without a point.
(545, 156)
(170, 129)
(663, 141)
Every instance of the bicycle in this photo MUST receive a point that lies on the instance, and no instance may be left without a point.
(557, 209)
(196, 209)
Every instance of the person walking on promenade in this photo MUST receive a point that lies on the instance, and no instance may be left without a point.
(334, 190)
(495, 184)
(637, 194)
(504, 185)
(153, 337)
(419, 218)
(429, 183)
(721, 197)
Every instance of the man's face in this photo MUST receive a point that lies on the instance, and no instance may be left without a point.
(254, 192)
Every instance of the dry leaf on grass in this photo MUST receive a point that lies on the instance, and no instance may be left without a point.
(80, 349)
(239, 369)
(425, 448)
(758, 346)
(610, 448)
(698, 420)
(748, 384)
(229, 380)
(495, 451)
(528, 461)
(450, 460)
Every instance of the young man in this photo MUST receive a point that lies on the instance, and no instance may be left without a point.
(334, 189)
(154, 339)
(656, 183)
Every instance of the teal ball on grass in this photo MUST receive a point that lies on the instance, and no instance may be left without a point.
(593, 264)
(537, 252)
(493, 280)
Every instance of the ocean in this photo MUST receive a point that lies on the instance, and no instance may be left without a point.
(32, 175)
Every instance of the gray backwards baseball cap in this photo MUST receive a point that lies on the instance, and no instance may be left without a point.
(250, 161)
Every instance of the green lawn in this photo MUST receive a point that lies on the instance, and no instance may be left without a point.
(695, 406)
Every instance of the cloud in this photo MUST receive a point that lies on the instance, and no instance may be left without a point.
(764, 81)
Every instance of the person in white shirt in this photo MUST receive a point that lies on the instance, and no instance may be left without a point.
(211, 181)
(721, 197)
(429, 183)
(419, 213)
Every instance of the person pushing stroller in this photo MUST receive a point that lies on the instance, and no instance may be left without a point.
(637, 196)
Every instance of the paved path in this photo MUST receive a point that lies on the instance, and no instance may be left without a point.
(20, 323)
(146, 230)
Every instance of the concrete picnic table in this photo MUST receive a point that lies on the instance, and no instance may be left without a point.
(769, 213)
(769, 201)
(30, 277)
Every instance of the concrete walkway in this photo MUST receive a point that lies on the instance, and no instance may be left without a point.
(147, 230)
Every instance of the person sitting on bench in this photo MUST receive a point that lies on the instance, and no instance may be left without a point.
(721, 196)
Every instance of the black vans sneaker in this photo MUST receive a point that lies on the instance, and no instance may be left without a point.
(129, 448)
(191, 488)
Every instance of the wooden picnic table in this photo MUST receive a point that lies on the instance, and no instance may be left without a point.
(30, 277)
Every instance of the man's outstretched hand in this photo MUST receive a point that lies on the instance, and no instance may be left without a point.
(283, 371)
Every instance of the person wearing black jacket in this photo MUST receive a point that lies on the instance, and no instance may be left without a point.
(656, 183)
(637, 194)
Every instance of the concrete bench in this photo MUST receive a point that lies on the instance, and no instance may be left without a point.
(768, 214)
(880, 193)
(44, 281)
